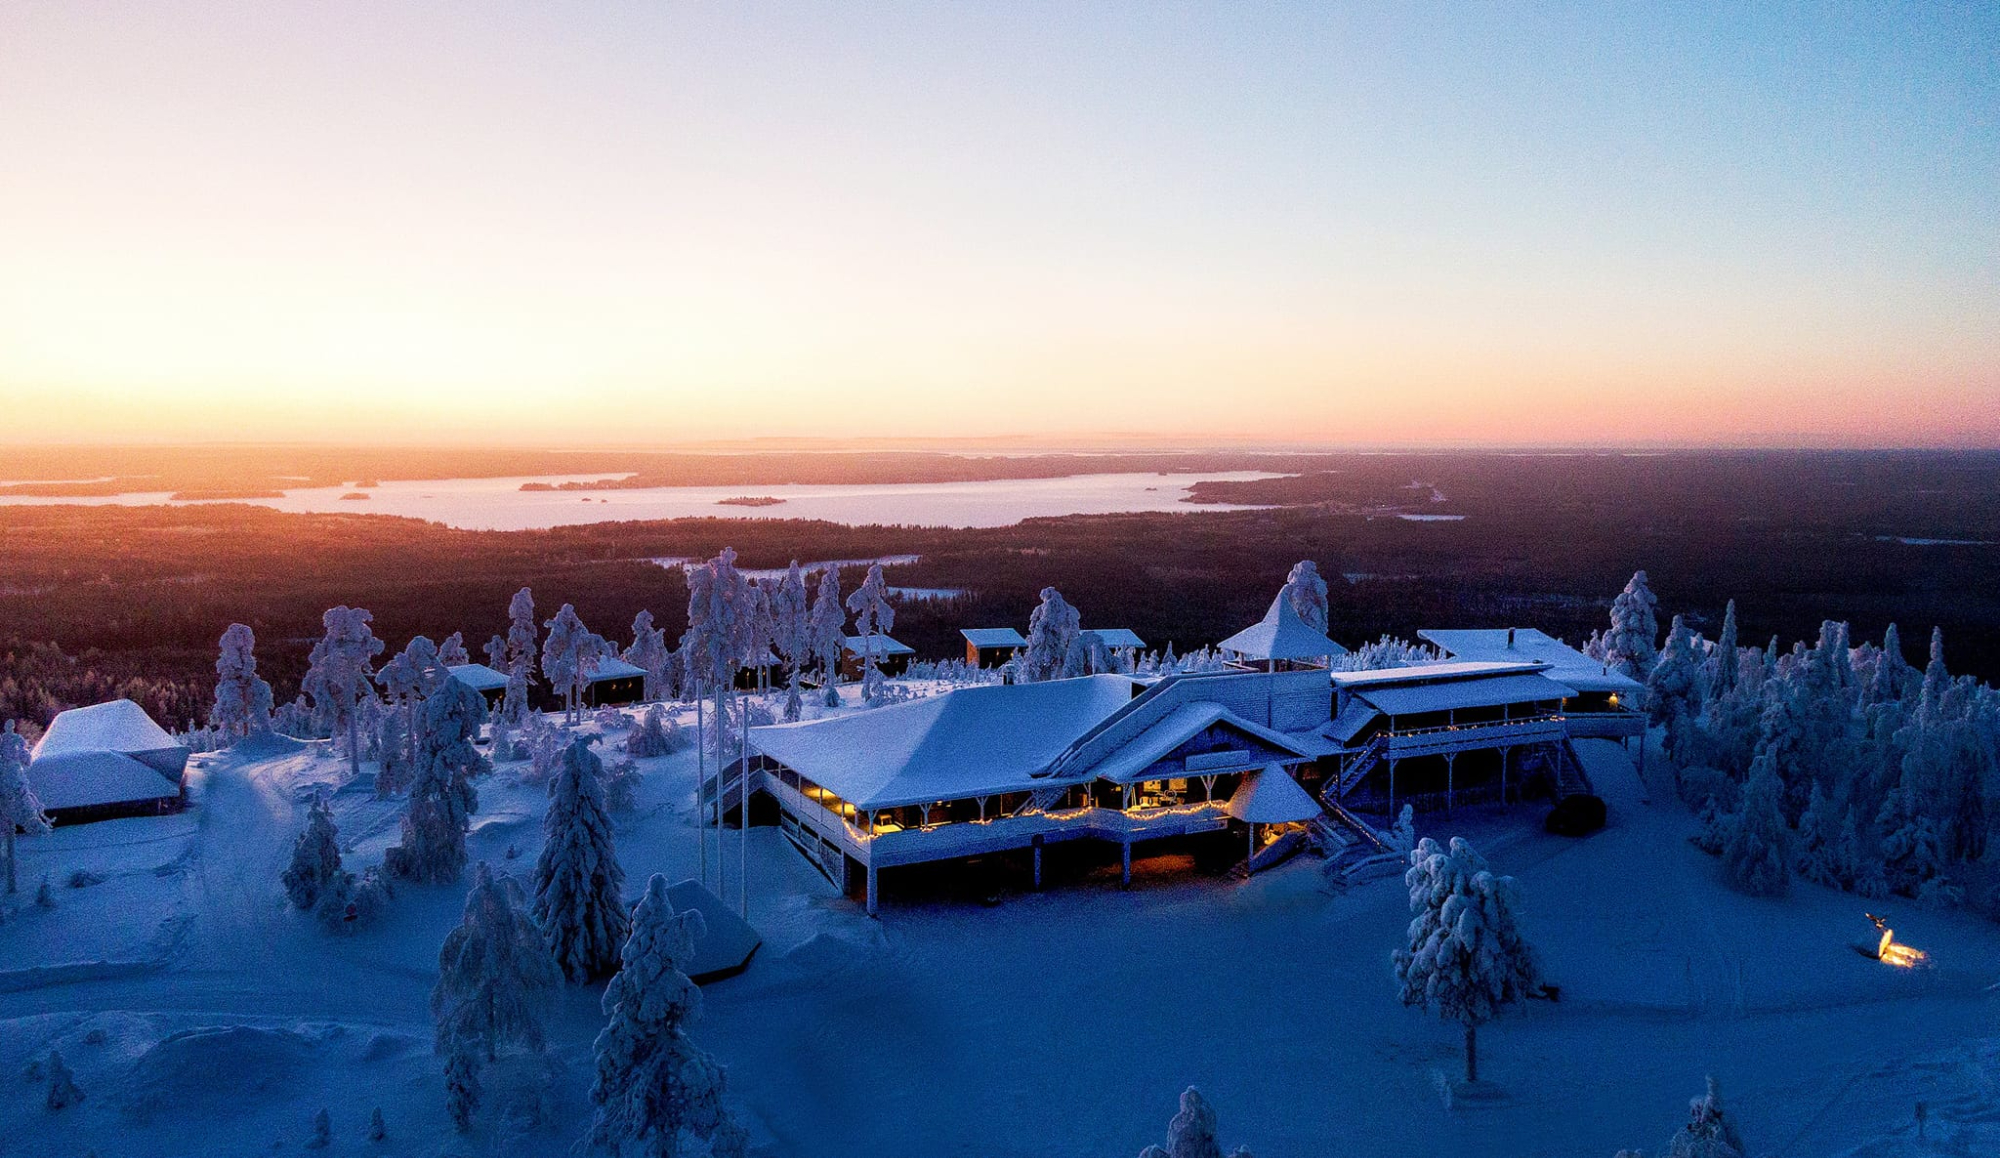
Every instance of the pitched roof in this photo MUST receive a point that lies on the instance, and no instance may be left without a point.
(81, 779)
(993, 637)
(1481, 692)
(1270, 796)
(1527, 643)
(1130, 760)
(974, 741)
(1281, 634)
(117, 726)
(1117, 638)
(478, 676)
(884, 646)
(612, 668)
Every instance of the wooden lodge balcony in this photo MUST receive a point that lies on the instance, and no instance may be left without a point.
(1445, 739)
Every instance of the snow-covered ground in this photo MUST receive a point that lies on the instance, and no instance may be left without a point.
(201, 1016)
(499, 504)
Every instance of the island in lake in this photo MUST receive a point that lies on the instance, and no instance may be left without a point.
(750, 501)
(354, 497)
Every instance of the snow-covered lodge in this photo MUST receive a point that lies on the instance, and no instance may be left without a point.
(1151, 763)
(104, 761)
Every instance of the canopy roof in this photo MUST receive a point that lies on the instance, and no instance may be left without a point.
(974, 741)
(993, 637)
(1281, 634)
(1527, 643)
(1270, 796)
(1118, 638)
(478, 676)
(86, 778)
(1481, 692)
(117, 726)
(884, 646)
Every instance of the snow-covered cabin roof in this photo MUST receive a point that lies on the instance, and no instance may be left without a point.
(612, 668)
(974, 741)
(1281, 634)
(983, 637)
(1450, 695)
(1527, 643)
(478, 676)
(1348, 724)
(1270, 796)
(1119, 638)
(1130, 760)
(81, 779)
(117, 726)
(884, 646)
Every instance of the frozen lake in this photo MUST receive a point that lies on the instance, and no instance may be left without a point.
(499, 504)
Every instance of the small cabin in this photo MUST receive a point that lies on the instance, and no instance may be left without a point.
(1120, 640)
(991, 646)
(613, 682)
(106, 761)
(891, 657)
(490, 683)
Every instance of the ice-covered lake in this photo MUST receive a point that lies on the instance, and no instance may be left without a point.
(499, 504)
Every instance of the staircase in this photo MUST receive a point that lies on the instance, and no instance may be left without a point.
(1370, 759)
(1571, 779)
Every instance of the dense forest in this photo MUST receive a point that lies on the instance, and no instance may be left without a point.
(131, 600)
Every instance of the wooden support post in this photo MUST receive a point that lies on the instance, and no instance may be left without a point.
(1450, 777)
(1392, 791)
(1126, 877)
(871, 888)
(1038, 863)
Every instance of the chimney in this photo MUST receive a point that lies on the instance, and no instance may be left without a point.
(1510, 639)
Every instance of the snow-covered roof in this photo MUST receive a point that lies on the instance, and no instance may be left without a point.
(1484, 692)
(1430, 673)
(1270, 796)
(884, 646)
(1348, 724)
(611, 668)
(81, 779)
(117, 726)
(1281, 634)
(993, 637)
(1527, 643)
(1130, 760)
(1118, 638)
(478, 676)
(974, 741)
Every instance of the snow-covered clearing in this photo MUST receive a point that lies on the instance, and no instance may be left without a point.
(202, 1016)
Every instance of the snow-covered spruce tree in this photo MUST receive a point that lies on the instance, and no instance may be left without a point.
(1307, 592)
(791, 634)
(432, 848)
(579, 888)
(19, 809)
(658, 1095)
(1893, 676)
(1816, 845)
(649, 653)
(1087, 656)
(1631, 646)
(322, 1131)
(315, 856)
(338, 673)
(1709, 1133)
(1756, 848)
(242, 698)
(569, 655)
(493, 972)
(873, 616)
(655, 735)
(462, 1091)
(1052, 627)
(520, 665)
(63, 1090)
(827, 627)
(452, 653)
(1466, 959)
(1192, 1132)
(1722, 660)
(1673, 690)
(407, 679)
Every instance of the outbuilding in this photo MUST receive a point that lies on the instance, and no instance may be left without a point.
(991, 646)
(891, 657)
(105, 761)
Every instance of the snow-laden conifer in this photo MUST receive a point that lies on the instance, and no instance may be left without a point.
(1307, 592)
(315, 856)
(1087, 656)
(1466, 959)
(1709, 1133)
(656, 735)
(827, 626)
(1632, 644)
(242, 698)
(493, 973)
(520, 656)
(19, 809)
(1723, 662)
(1756, 849)
(579, 887)
(338, 674)
(873, 616)
(1052, 628)
(791, 634)
(570, 653)
(650, 654)
(452, 653)
(658, 1095)
(432, 848)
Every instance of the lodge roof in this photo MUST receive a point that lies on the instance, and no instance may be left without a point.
(1531, 644)
(1281, 634)
(884, 646)
(478, 676)
(993, 637)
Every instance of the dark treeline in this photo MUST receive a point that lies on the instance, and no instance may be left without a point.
(143, 593)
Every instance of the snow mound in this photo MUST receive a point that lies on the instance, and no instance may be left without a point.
(214, 1069)
(827, 955)
(266, 746)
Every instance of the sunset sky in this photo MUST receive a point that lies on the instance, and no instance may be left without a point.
(650, 223)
